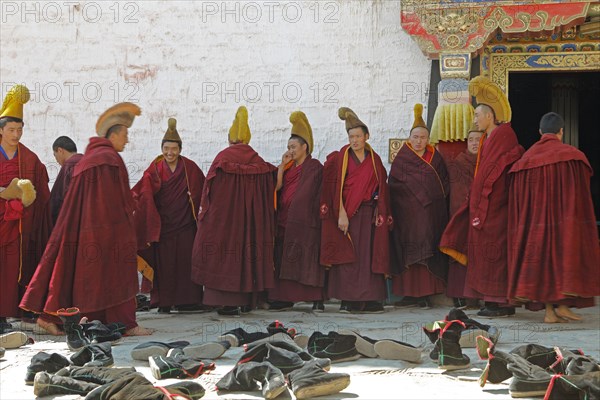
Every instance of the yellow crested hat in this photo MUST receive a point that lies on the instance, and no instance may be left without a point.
(487, 92)
(240, 131)
(418, 121)
(119, 114)
(171, 134)
(301, 127)
(352, 120)
(13, 102)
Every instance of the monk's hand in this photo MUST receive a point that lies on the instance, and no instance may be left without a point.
(343, 222)
(286, 158)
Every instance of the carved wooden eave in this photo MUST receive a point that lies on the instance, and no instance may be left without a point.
(459, 26)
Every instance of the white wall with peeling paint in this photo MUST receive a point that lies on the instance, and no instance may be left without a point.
(198, 61)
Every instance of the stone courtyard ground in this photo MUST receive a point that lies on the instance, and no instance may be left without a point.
(370, 378)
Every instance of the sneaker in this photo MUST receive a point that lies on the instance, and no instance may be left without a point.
(281, 305)
(318, 307)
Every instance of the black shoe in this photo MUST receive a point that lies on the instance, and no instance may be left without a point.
(345, 307)
(529, 380)
(424, 303)
(97, 332)
(336, 347)
(191, 308)
(5, 327)
(247, 376)
(460, 303)
(141, 352)
(312, 381)
(407, 302)
(492, 310)
(281, 305)
(318, 306)
(45, 384)
(142, 302)
(97, 375)
(164, 310)
(94, 355)
(177, 366)
(450, 355)
(368, 307)
(44, 362)
(231, 311)
(76, 338)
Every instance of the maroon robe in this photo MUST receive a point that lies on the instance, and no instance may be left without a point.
(61, 185)
(418, 193)
(90, 260)
(298, 240)
(359, 260)
(461, 171)
(174, 198)
(554, 253)
(479, 228)
(23, 233)
(233, 249)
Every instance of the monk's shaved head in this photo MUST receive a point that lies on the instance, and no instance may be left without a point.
(551, 123)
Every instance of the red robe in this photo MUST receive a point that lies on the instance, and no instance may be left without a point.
(90, 260)
(461, 170)
(553, 253)
(479, 228)
(419, 196)
(233, 249)
(23, 234)
(167, 203)
(298, 240)
(364, 190)
(61, 185)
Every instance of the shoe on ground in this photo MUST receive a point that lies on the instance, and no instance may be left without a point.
(312, 381)
(13, 340)
(5, 327)
(468, 338)
(364, 344)
(164, 310)
(142, 351)
(424, 303)
(496, 312)
(318, 307)
(368, 307)
(191, 308)
(281, 305)
(208, 350)
(395, 350)
(407, 302)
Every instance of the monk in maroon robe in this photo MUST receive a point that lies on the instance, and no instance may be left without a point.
(553, 254)
(65, 153)
(90, 260)
(355, 221)
(176, 187)
(461, 171)
(24, 225)
(478, 231)
(419, 189)
(299, 275)
(233, 249)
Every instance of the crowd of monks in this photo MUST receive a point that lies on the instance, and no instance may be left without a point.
(494, 224)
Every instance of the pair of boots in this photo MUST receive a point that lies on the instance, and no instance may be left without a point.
(208, 350)
(335, 346)
(79, 335)
(538, 370)
(91, 355)
(177, 365)
(309, 381)
(284, 355)
(98, 383)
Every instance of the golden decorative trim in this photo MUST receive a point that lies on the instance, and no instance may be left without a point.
(500, 65)
(394, 147)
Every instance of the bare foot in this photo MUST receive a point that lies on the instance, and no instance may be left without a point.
(565, 312)
(139, 331)
(49, 327)
(552, 318)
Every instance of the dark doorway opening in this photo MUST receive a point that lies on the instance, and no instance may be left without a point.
(575, 96)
